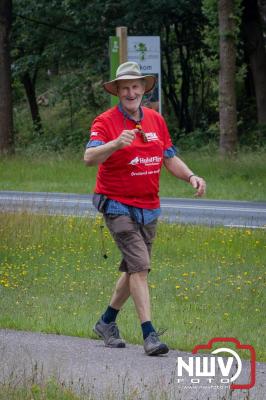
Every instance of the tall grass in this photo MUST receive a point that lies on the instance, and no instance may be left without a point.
(241, 178)
(205, 282)
(45, 391)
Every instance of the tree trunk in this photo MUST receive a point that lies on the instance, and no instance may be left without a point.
(262, 12)
(169, 91)
(29, 85)
(255, 47)
(185, 119)
(6, 116)
(227, 95)
(168, 76)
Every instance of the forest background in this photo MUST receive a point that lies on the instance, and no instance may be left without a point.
(54, 58)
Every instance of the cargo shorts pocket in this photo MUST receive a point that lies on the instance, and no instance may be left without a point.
(119, 223)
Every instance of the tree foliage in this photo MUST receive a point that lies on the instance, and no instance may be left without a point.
(69, 39)
(6, 117)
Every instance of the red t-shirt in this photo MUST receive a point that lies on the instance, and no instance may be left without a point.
(131, 175)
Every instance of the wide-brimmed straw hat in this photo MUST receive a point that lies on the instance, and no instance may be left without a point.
(126, 71)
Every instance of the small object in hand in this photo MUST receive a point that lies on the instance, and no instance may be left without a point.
(143, 134)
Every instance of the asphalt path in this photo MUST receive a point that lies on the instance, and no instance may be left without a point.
(87, 367)
(185, 211)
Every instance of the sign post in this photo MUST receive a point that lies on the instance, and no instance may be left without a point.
(117, 54)
(114, 57)
(121, 32)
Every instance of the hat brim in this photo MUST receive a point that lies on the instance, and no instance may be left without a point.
(111, 86)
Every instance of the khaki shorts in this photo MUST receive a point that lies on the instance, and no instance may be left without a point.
(133, 240)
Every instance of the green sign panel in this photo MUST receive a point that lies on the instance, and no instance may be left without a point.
(114, 61)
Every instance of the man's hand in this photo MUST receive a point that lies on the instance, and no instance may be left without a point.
(99, 154)
(126, 138)
(198, 183)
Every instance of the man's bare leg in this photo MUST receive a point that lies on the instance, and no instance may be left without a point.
(139, 291)
(121, 293)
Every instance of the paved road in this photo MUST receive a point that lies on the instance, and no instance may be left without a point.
(89, 367)
(193, 211)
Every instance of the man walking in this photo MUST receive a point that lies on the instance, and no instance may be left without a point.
(131, 143)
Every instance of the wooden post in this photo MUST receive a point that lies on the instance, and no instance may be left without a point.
(121, 32)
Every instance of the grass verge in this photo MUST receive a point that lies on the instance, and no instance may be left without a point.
(205, 282)
(53, 390)
(236, 179)
(45, 391)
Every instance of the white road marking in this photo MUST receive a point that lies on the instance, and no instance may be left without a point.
(215, 208)
(43, 199)
(245, 226)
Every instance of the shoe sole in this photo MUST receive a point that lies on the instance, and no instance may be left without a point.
(162, 349)
(119, 346)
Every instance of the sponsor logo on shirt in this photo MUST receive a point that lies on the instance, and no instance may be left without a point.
(155, 160)
(151, 136)
(94, 134)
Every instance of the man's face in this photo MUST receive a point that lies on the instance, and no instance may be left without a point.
(130, 93)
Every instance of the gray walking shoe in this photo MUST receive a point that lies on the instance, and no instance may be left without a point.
(153, 346)
(109, 333)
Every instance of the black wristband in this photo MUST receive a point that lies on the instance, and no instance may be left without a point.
(190, 176)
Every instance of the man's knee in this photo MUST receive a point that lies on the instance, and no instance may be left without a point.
(142, 275)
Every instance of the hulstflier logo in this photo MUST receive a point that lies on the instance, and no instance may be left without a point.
(206, 367)
(135, 161)
(155, 160)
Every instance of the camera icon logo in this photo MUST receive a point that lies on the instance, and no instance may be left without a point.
(226, 369)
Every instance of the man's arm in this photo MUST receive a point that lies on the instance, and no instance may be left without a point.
(97, 155)
(181, 171)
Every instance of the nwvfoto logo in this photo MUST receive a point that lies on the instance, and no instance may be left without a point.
(205, 366)
(135, 161)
